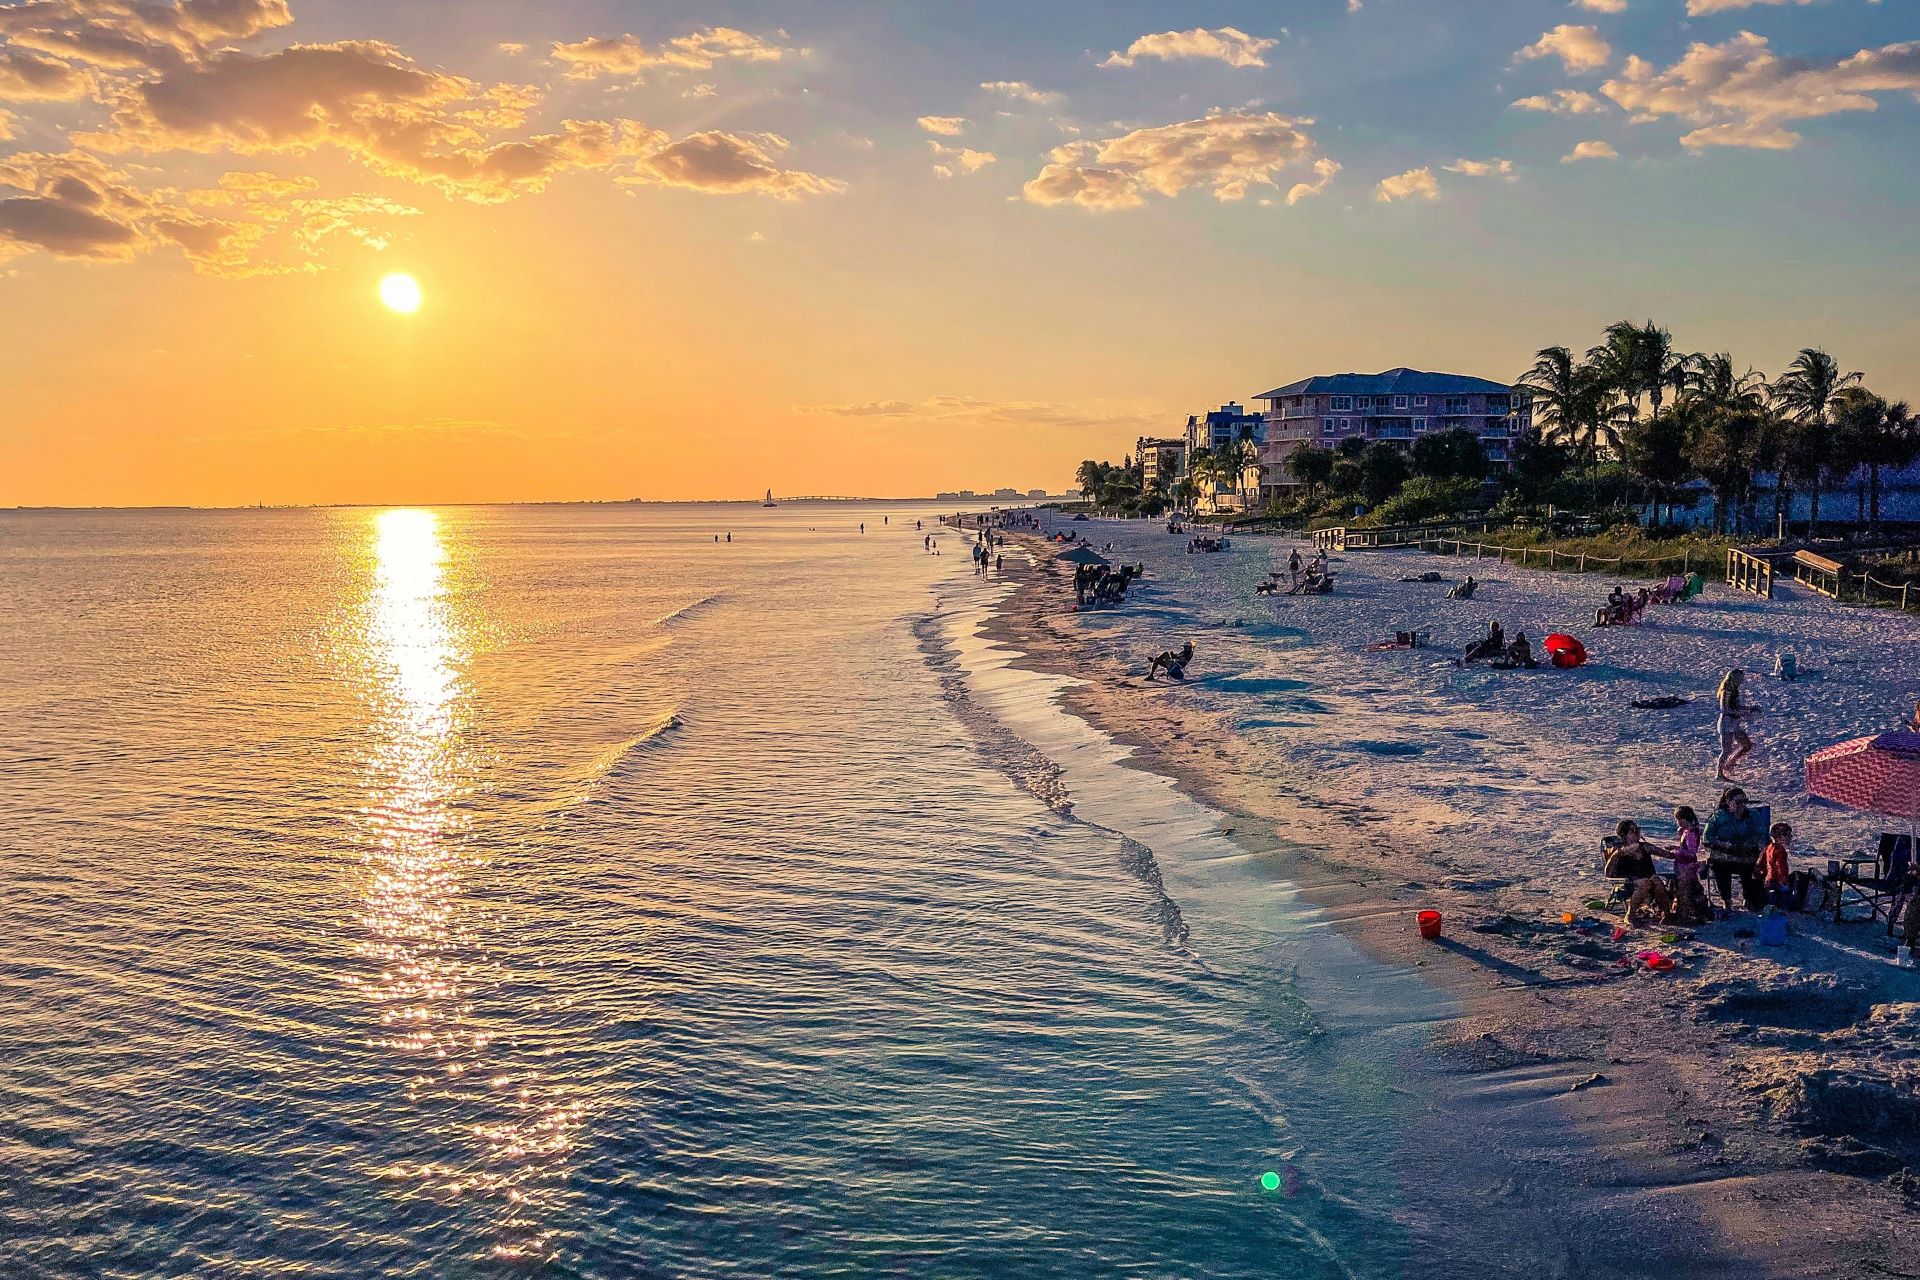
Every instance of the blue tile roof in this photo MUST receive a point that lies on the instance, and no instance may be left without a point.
(1394, 382)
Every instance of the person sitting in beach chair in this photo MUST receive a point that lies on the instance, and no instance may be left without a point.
(1492, 647)
(1517, 656)
(1637, 604)
(1629, 859)
(1173, 662)
(1462, 590)
(1735, 834)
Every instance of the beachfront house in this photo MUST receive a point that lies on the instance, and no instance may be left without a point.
(1212, 432)
(1398, 406)
(1161, 461)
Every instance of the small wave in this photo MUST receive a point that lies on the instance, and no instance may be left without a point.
(1036, 773)
(687, 610)
(614, 760)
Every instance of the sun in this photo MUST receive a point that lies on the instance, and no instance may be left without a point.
(400, 292)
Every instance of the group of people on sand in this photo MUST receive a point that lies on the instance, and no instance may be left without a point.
(1741, 847)
(1313, 579)
(1621, 608)
(1206, 542)
(1500, 653)
(1099, 586)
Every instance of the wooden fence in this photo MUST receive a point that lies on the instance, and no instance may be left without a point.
(1552, 558)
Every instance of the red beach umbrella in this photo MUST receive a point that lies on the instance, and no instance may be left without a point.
(1877, 774)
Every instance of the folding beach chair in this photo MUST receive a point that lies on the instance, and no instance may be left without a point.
(1883, 893)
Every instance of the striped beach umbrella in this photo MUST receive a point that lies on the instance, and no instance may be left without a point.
(1876, 774)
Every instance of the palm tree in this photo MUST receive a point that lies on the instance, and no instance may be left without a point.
(1661, 367)
(1875, 433)
(1242, 456)
(1621, 361)
(1724, 444)
(1089, 476)
(1711, 378)
(1804, 396)
(1311, 466)
(1577, 404)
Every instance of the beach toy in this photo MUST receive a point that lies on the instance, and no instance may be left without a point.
(1656, 961)
(1564, 651)
(1773, 928)
(1619, 932)
(1429, 925)
(1566, 917)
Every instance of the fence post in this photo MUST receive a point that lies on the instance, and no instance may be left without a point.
(1903, 596)
(1583, 562)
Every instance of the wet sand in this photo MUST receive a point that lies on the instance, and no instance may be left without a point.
(1746, 1115)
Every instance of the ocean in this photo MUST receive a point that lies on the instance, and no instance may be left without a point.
(562, 891)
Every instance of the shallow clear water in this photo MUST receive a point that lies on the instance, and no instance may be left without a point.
(556, 891)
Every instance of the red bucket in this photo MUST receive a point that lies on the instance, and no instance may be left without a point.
(1429, 925)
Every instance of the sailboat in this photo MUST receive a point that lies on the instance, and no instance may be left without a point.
(769, 500)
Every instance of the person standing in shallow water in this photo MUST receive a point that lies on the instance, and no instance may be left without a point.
(1735, 742)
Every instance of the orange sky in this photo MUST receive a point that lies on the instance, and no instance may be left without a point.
(787, 278)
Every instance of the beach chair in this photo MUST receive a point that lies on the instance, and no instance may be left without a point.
(1695, 584)
(1881, 894)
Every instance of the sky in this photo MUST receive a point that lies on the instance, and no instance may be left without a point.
(681, 250)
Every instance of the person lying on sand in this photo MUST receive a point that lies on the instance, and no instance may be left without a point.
(1173, 662)
(1429, 576)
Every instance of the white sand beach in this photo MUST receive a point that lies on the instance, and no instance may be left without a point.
(1709, 1099)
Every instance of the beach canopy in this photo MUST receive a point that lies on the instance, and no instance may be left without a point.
(1877, 774)
(1082, 555)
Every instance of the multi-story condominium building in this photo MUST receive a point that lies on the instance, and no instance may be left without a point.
(1398, 406)
(1161, 461)
(1228, 424)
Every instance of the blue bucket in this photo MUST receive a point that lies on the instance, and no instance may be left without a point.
(1773, 928)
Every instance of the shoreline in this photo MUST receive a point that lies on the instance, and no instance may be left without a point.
(1581, 1094)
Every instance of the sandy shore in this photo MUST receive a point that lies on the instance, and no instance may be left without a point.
(1752, 1113)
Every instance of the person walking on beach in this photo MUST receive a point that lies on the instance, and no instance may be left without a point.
(1735, 742)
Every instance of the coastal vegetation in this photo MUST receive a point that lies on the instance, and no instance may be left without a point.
(1633, 432)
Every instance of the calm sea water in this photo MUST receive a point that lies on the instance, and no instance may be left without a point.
(554, 891)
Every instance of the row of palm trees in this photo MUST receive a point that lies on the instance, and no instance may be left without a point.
(1671, 417)
(1124, 487)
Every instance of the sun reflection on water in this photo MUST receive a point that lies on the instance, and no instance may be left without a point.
(419, 931)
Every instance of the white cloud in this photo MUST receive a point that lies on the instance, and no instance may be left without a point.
(945, 126)
(1564, 102)
(1414, 184)
(1326, 168)
(1602, 6)
(628, 55)
(720, 163)
(1021, 91)
(512, 48)
(1495, 168)
(1223, 44)
(1580, 49)
(1742, 94)
(969, 410)
(955, 160)
(699, 91)
(1701, 8)
(1593, 150)
(1228, 152)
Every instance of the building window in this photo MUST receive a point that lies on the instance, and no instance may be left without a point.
(1399, 402)
(1328, 427)
(1341, 403)
(1456, 404)
(1419, 424)
(1419, 402)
